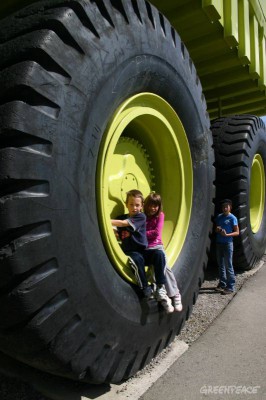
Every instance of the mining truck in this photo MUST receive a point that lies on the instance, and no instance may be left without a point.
(99, 97)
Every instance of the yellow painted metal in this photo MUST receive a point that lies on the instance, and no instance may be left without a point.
(258, 7)
(231, 29)
(254, 42)
(257, 193)
(214, 9)
(262, 46)
(145, 147)
(244, 32)
(226, 41)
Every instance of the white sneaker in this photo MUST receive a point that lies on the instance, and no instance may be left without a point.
(177, 303)
(161, 296)
(160, 293)
(167, 305)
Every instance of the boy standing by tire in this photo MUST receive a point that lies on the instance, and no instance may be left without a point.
(226, 228)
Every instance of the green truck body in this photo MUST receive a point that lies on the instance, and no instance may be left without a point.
(227, 43)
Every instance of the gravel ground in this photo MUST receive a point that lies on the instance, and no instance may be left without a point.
(208, 306)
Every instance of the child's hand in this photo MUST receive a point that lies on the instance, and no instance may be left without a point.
(125, 234)
(115, 232)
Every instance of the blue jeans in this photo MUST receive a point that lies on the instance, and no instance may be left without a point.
(153, 257)
(224, 253)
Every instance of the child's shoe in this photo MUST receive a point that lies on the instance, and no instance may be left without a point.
(160, 293)
(227, 291)
(167, 305)
(161, 297)
(148, 292)
(219, 288)
(177, 303)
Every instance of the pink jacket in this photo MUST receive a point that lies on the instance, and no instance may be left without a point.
(154, 228)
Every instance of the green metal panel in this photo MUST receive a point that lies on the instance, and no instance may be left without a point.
(259, 9)
(231, 22)
(262, 44)
(226, 41)
(254, 43)
(244, 32)
(214, 9)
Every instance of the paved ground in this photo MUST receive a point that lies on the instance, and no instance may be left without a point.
(229, 360)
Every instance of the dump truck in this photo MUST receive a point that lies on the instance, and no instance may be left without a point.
(99, 97)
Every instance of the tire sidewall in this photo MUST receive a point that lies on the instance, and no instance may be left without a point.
(160, 77)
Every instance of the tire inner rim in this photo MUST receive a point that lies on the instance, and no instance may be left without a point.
(145, 147)
(257, 193)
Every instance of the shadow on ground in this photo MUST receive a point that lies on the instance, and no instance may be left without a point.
(21, 382)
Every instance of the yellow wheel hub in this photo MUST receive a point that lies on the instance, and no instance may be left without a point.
(257, 193)
(145, 147)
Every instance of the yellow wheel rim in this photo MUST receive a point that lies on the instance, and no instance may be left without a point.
(145, 147)
(257, 193)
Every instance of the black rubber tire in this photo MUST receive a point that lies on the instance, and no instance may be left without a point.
(65, 68)
(237, 139)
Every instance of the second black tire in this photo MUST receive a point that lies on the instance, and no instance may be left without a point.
(240, 161)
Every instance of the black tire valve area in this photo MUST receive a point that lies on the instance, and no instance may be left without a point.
(65, 68)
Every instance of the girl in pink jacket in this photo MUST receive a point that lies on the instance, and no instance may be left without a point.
(154, 228)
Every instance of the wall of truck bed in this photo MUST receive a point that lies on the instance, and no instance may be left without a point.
(226, 41)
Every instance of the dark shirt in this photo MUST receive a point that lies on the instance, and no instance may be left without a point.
(133, 237)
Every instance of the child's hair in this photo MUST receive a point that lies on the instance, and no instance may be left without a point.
(228, 202)
(153, 198)
(135, 193)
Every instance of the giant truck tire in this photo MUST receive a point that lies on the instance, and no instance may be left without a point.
(240, 160)
(96, 98)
